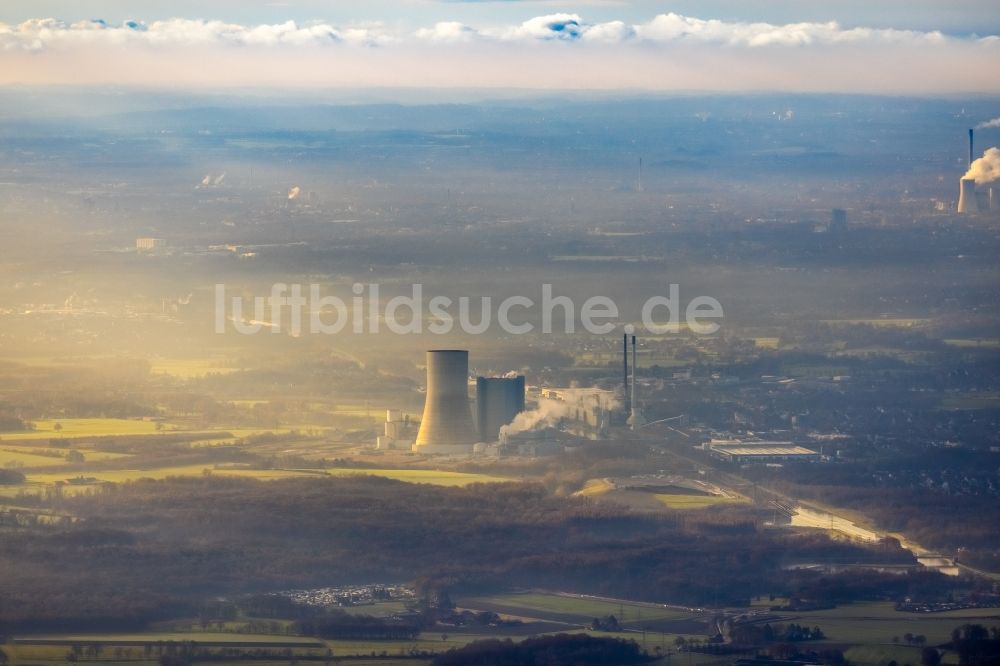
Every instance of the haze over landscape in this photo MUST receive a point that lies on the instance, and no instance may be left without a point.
(499, 332)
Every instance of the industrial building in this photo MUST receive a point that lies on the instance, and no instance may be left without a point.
(397, 432)
(446, 426)
(759, 452)
(583, 411)
(149, 244)
(498, 401)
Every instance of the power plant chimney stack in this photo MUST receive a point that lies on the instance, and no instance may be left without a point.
(971, 149)
(446, 426)
(634, 415)
(628, 400)
(967, 196)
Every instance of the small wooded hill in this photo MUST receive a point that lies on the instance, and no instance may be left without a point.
(151, 549)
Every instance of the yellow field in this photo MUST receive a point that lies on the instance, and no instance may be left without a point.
(45, 428)
(767, 343)
(597, 257)
(595, 488)
(693, 501)
(433, 477)
(190, 368)
(879, 322)
(27, 456)
(989, 343)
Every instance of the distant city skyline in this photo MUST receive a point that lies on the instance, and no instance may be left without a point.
(891, 47)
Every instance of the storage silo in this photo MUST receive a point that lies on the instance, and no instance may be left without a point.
(498, 401)
(446, 426)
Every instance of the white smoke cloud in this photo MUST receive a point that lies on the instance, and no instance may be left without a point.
(212, 181)
(989, 124)
(550, 411)
(987, 168)
(294, 192)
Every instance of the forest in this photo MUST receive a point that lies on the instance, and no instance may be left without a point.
(146, 550)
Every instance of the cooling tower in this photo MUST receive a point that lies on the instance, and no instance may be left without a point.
(967, 197)
(446, 426)
(498, 401)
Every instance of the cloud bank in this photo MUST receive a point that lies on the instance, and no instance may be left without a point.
(668, 52)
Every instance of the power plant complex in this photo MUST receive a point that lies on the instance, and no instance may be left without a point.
(971, 199)
(447, 425)
(451, 426)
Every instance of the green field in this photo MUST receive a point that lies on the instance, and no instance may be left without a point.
(869, 628)
(881, 655)
(981, 400)
(115, 648)
(124, 648)
(877, 623)
(202, 636)
(583, 608)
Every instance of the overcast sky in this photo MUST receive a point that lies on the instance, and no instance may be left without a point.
(894, 46)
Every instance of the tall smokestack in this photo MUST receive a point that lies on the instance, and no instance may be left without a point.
(971, 149)
(632, 403)
(625, 394)
(446, 426)
(967, 196)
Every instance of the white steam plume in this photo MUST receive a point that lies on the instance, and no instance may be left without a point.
(987, 168)
(294, 192)
(550, 411)
(989, 124)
